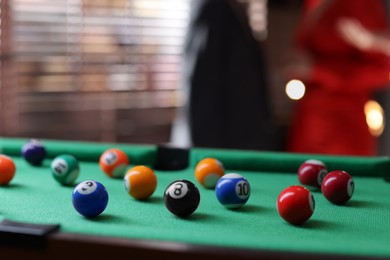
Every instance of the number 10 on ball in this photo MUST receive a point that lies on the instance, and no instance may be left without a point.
(233, 190)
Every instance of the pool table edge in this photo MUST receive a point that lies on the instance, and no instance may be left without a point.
(68, 245)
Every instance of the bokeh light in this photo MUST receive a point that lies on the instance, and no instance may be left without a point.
(374, 117)
(295, 89)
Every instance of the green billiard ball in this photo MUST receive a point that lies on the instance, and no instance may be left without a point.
(65, 169)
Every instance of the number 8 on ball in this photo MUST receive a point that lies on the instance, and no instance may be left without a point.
(181, 198)
(178, 190)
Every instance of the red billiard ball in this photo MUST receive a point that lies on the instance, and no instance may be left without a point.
(7, 169)
(338, 187)
(295, 204)
(311, 173)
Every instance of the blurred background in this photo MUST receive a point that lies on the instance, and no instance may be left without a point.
(110, 70)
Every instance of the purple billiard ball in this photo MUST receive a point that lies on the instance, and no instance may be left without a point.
(34, 152)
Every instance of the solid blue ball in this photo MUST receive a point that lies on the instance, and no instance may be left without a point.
(90, 198)
(34, 152)
(232, 190)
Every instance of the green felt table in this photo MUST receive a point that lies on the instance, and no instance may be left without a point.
(360, 228)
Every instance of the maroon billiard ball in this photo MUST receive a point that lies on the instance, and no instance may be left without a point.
(338, 186)
(295, 204)
(311, 173)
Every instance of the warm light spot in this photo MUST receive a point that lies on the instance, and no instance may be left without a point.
(374, 117)
(295, 89)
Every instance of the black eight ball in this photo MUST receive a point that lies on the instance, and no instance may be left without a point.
(181, 198)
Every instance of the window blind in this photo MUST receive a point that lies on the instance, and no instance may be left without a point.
(88, 69)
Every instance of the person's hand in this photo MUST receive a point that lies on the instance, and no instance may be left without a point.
(353, 32)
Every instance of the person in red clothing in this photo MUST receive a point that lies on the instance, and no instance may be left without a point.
(340, 77)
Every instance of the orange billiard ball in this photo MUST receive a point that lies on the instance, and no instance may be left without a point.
(140, 182)
(7, 169)
(114, 162)
(208, 171)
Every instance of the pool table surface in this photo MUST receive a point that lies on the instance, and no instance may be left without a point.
(33, 199)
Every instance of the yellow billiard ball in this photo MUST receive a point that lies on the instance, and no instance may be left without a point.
(208, 171)
(140, 182)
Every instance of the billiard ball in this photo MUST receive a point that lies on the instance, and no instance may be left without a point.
(7, 170)
(140, 182)
(90, 198)
(181, 198)
(295, 204)
(208, 171)
(311, 173)
(338, 187)
(233, 190)
(65, 169)
(34, 152)
(113, 162)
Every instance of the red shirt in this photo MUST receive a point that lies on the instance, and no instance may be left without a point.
(330, 117)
